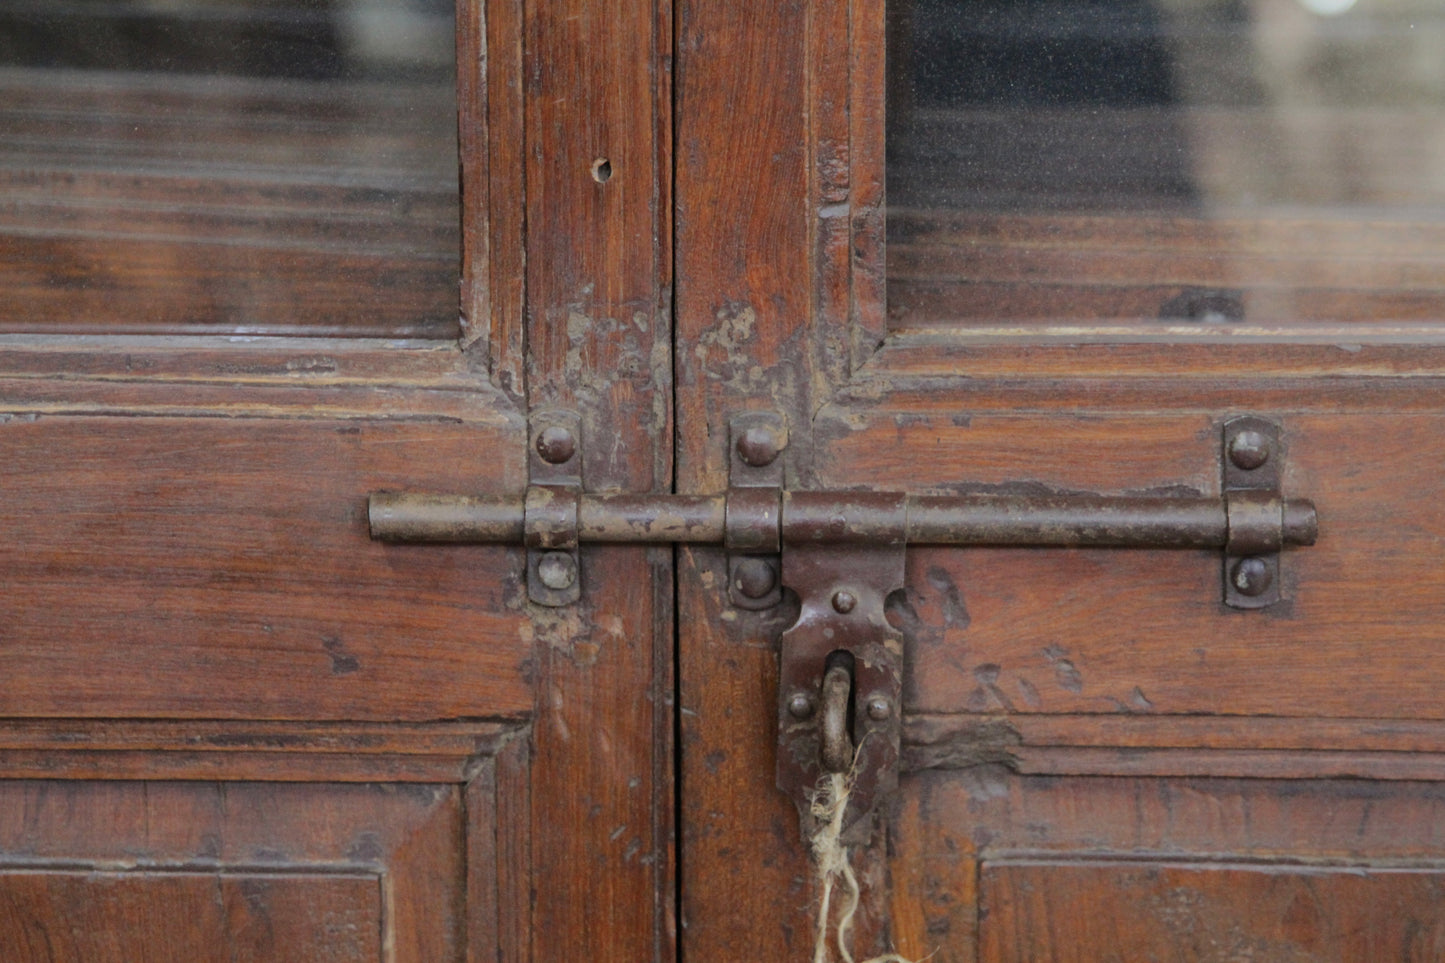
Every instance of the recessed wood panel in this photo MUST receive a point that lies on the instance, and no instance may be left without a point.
(988, 865)
(1169, 913)
(165, 917)
(117, 871)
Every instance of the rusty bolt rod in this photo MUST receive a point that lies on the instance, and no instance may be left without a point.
(407, 517)
(1084, 520)
(1039, 521)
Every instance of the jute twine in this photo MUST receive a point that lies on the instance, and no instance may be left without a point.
(830, 856)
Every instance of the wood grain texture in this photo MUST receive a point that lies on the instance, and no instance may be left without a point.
(117, 917)
(779, 228)
(506, 193)
(1143, 743)
(1144, 632)
(474, 161)
(220, 567)
(1166, 912)
(1370, 846)
(595, 88)
(232, 751)
(128, 870)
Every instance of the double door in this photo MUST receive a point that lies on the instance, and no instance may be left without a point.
(237, 726)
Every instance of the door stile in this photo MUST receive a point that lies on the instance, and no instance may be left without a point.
(779, 234)
(596, 101)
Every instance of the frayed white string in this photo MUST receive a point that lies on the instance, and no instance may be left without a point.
(830, 856)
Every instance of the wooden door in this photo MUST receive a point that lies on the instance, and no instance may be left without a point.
(1107, 228)
(233, 260)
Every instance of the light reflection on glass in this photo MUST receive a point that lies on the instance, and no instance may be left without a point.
(1210, 160)
(237, 166)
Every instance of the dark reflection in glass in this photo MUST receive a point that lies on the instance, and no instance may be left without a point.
(237, 166)
(1216, 161)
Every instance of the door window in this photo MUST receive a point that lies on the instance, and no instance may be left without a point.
(229, 166)
(1163, 162)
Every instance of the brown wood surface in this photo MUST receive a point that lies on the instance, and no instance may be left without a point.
(1130, 911)
(114, 917)
(1130, 631)
(748, 245)
(995, 867)
(218, 567)
(598, 333)
(193, 511)
(117, 870)
(1064, 707)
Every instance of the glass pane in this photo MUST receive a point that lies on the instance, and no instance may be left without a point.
(237, 166)
(1210, 161)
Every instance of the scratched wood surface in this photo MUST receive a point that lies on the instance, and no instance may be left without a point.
(116, 871)
(997, 867)
(1127, 631)
(598, 333)
(1165, 911)
(750, 335)
(778, 293)
(216, 567)
(195, 547)
(1097, 710)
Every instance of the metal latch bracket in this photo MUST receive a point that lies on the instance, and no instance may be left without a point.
(550, 508)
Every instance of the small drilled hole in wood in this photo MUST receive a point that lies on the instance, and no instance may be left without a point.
(602, 170)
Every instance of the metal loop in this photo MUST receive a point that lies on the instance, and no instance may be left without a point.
(836, 749)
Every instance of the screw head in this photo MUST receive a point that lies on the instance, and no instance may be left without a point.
(844, 601)
(759, 446)
(800, 705)
(557, 570)
(556, 444)
(1252, 576)
(754, 577)
(1248, 450)
(879, 708)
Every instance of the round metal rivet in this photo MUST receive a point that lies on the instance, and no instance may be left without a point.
(800, 706)
(879, 708)
(1248, 450)
(1252, 576)
(557, 570)
(844, 602)
(759, 446)
(754, 577)
(556, 444)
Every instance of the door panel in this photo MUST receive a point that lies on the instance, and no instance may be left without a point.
(1103, 630)
(220, 693)
(1169, 869)
(1166, 911)
(1099, 756)
(239, 870)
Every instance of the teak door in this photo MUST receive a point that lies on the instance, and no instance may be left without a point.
(233, 257)
(1106, 230)
(238, 727)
